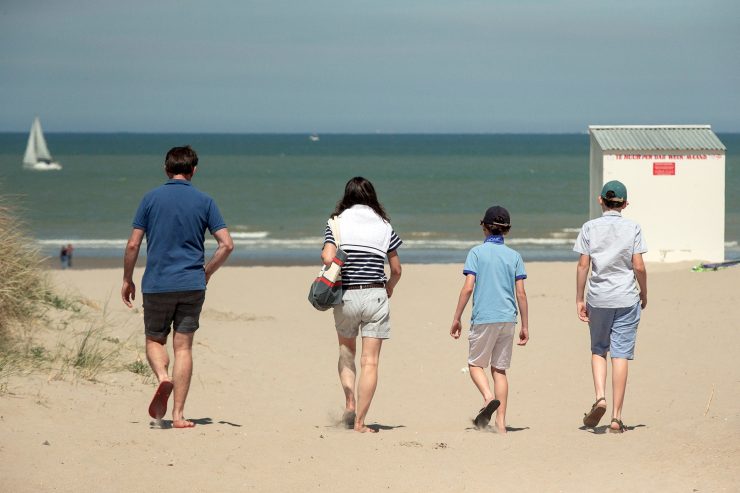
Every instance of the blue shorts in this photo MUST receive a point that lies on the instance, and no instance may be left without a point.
(614, 330)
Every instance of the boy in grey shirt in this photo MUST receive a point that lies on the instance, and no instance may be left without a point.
(612, 247)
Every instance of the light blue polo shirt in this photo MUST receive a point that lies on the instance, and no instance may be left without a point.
(175, 217)
(496, 268)
(610, 241)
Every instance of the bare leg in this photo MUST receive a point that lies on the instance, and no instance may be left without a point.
(159, 360)
(368, 380)
(478, 375)
(619, 386)
(501, 392)
(181, 374)
(598, 369)
(347, 376)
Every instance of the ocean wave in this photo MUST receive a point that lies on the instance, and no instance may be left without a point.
(248, 236)
(94, 243)
(261, 240)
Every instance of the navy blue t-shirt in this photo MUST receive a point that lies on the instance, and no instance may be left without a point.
(174, 218)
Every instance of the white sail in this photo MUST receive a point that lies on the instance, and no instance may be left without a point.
(37, 154)
(42, 152)
(29, 158)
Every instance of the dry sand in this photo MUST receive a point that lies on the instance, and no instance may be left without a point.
(266, 397)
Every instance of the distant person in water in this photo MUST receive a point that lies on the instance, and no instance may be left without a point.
(174, 218)
(64, 257)
(70, 249)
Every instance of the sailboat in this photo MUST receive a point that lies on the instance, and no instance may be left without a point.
(37, 154)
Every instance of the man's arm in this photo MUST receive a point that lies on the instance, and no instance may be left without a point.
(584, 263)
(224, 249)
(521, 301)
(395, 264)
(638, 265)
(128, 290)
(462, 302)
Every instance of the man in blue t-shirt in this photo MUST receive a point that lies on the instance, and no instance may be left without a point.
(494, 276)
(174, 218)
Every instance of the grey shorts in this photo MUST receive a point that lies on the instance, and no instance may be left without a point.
(163, 310)
(363, 311)
(614, 330)
(490, 345)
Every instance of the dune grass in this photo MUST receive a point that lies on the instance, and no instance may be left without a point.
(24, 288)
(26, 299)
(30, 305)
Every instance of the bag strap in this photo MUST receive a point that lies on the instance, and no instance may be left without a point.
(334, 225)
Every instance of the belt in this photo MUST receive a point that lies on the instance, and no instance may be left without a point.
(365, 286)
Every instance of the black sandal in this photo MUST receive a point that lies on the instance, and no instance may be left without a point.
(592, 418)
(621, 428)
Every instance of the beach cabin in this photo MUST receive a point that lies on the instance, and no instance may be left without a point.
(675, 178)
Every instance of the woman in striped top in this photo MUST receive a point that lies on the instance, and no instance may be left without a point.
(366, 235)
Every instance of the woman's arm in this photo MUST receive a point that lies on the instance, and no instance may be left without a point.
(395, 264)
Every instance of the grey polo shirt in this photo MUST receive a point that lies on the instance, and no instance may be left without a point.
(610, 241)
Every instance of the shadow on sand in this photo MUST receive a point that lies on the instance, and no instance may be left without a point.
(604, 429)
(166, 424)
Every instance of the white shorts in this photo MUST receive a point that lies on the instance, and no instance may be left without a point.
(490, 345)
(363, 311)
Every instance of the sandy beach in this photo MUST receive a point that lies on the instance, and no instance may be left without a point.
(267, 400)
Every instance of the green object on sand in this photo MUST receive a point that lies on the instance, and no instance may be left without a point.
(715, 266)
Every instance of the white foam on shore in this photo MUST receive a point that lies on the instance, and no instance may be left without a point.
(261, 240)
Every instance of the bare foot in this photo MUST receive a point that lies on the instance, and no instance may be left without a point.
(182, 423)
(500, 428)
(364, 429)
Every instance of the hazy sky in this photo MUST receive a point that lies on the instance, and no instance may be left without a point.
(382, 65)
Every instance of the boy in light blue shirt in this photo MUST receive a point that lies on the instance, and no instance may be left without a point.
(612, 247)
(494, 276)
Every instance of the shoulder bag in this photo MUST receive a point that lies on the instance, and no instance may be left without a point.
(326, 289)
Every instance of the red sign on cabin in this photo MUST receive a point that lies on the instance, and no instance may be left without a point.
(664, 168)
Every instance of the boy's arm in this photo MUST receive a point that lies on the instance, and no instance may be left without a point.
(584, 262)
(521, 300)
(638, 265)
(462, 301)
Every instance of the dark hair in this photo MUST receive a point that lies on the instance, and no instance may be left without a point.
(360, 191)
(612, 204)
(496, 230)
(181, 161)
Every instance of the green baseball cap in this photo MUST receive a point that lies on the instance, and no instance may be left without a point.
(617, 188)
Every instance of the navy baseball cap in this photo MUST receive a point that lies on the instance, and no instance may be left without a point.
(497, 216)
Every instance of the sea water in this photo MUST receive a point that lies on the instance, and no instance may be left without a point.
(276, 191)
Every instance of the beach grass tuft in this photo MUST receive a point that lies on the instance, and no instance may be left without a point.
(91, 354)
(25, 288)
(141, 368)
(26, 298)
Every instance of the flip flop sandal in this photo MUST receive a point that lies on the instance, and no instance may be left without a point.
(621, 428)
(484, 415)
(592, 418)
(158, 406)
